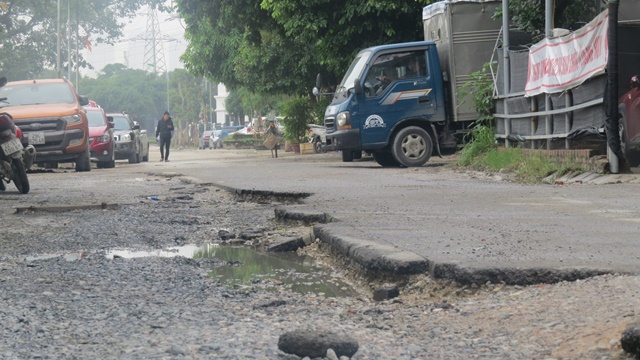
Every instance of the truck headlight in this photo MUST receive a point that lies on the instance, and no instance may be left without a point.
(72, 119)
(103, 138)
(343, 120)
(125, 137)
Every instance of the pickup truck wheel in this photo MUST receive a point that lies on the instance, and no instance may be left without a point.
(412, 146)
(347, 155)
(145, 157)
(3, 187)
(630, 157)
(83, 162)
(385, 159)
(133, 157)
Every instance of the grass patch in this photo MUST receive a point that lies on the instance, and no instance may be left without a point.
(529, 169)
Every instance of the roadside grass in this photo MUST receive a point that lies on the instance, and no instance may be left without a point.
(481, 151)
(484, 155)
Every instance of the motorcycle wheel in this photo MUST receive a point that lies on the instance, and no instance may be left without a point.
(20, 176)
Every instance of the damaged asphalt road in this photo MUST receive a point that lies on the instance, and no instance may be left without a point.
(63, 296)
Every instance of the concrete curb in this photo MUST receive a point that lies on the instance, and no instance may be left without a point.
(308, 217)
(380, 256)
(374, 255)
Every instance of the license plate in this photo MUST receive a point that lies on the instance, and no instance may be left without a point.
(36, 138)
(11, 146)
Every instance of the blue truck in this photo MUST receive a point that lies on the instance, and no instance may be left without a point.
(401, 102)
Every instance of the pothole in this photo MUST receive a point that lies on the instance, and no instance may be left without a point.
(243, 268)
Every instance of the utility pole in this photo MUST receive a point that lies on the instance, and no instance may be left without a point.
(58, 44)
(611, 100)
(69, 40)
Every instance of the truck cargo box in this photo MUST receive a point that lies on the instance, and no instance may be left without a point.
(465, 34)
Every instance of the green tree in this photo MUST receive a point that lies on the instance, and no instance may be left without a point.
(529, 15)
(278, 46)
(28, 30)
(187, 96)
(143, 95)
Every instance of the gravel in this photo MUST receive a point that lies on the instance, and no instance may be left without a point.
(76, 302)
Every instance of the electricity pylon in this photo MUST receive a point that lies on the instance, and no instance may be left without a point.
(153, 44)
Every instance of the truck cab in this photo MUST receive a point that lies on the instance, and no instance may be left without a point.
(391, 103)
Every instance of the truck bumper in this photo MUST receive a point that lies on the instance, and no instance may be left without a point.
(344, 139)
(60, 146)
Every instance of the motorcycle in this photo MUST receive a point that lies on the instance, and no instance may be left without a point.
(15, 157)
(318, 137)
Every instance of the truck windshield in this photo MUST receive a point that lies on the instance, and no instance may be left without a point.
(355, 69)
(35, 93)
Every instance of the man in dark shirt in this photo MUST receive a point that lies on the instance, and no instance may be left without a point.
(163, 134)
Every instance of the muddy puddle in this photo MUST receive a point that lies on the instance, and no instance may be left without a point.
(273, 271)
(241, 267)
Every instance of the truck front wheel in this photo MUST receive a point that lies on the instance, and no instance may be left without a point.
(385, 159)
(412, 146)
(83, 162)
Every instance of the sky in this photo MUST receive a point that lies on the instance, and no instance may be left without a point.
(130, 50)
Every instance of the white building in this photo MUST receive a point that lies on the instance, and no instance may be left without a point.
(221, 110)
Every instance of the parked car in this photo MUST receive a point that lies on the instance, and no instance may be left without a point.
(127, 136)
(52, 118)
(629, 123)
(203, 142)
(101, 138)
(144, 141)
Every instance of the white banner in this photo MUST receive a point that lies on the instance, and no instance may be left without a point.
(565, 62)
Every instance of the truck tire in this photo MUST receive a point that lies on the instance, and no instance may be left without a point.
(3, 187)
(347, 155)
(385, 159)
(412, 146)
(83, 162)
(134, 158)
(631, 157)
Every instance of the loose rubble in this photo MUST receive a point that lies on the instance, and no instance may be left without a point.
(61, 296)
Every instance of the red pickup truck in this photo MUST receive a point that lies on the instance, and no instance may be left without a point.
(629, 124)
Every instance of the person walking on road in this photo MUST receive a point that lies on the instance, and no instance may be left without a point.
(163, 135)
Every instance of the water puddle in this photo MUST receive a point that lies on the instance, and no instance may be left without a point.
(241, 267)
(273, 271)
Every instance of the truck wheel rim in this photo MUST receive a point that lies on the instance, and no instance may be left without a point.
(414, 146)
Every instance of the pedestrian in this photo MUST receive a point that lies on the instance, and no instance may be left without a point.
(271, 141)
(163, 135)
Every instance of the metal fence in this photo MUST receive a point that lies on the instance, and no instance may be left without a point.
(550, 121)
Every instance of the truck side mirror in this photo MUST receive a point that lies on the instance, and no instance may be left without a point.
(319, 82)
(635, 81)
(357, 87)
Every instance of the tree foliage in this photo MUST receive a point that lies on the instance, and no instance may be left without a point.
(529, 15)
(28, 30)
(278, 46)
(143, 95)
